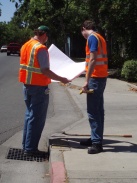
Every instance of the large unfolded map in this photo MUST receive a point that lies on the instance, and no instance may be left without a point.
(62, 65)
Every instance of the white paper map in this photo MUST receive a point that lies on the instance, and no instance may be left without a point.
(62, 65)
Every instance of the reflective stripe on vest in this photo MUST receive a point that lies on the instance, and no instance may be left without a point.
(98, 56)
(31, 61)
(99, 63)
(30, 69)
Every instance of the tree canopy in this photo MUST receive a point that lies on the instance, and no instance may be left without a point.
(115, 19)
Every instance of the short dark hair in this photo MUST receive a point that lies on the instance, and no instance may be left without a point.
(89, 25)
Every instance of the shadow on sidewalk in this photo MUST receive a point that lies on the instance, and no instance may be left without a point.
(109, 145)
(119, 146)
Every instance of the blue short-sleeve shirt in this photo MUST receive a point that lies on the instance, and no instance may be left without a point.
(92, 43)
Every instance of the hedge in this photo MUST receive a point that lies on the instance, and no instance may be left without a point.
(129, 70)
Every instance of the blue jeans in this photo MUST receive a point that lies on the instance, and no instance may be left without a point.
(36, 109)
(95, 108)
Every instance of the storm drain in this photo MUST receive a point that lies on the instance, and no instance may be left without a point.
(17, 154)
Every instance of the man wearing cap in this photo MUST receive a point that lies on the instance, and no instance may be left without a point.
(35, 74)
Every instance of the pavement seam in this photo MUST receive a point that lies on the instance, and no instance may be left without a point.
(66, 176)
(62, 177)
(84, 115)
(74, 103)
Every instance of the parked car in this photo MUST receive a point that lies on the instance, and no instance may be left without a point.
(3, 48)
(13, 48)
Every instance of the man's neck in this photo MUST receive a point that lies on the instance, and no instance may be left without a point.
(90, 32)
(36, 38)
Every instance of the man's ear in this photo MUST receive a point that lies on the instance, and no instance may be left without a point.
(84, 28)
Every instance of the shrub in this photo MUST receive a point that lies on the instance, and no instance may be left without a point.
(129, 70)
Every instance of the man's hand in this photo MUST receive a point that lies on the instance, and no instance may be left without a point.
(65, 80)
(85, 87)
(52, 75)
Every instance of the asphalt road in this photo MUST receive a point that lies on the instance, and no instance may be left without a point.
(11, 103)
(12, 106)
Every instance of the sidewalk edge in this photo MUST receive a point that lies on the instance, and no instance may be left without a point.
(58, 173)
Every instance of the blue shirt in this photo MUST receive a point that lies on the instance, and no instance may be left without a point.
(92, 43)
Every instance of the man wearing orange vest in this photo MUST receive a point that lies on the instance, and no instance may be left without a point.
(35, 74)
(96, 77)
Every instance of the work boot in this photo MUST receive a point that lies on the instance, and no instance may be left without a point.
(95, 148)
(87, 142)
(34, 153)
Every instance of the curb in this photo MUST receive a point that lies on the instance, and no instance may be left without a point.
(57, 167)
(57, 170)
(132, 86)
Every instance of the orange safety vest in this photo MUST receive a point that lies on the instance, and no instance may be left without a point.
(30, 72)
(101, 67)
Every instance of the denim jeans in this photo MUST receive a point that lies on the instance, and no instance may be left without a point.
(36, 109)
(95, 108)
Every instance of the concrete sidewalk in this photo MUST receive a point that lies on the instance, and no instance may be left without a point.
(18, 171)
(69, 162)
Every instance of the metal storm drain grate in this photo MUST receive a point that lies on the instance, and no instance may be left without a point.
(17, 154)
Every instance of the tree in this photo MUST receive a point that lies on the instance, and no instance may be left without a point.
(116, 20)
(62, 16)
(0, 9)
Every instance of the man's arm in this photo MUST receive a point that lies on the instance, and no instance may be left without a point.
(93, 46)
(91, 66)
(43, 60)
(52, 75)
